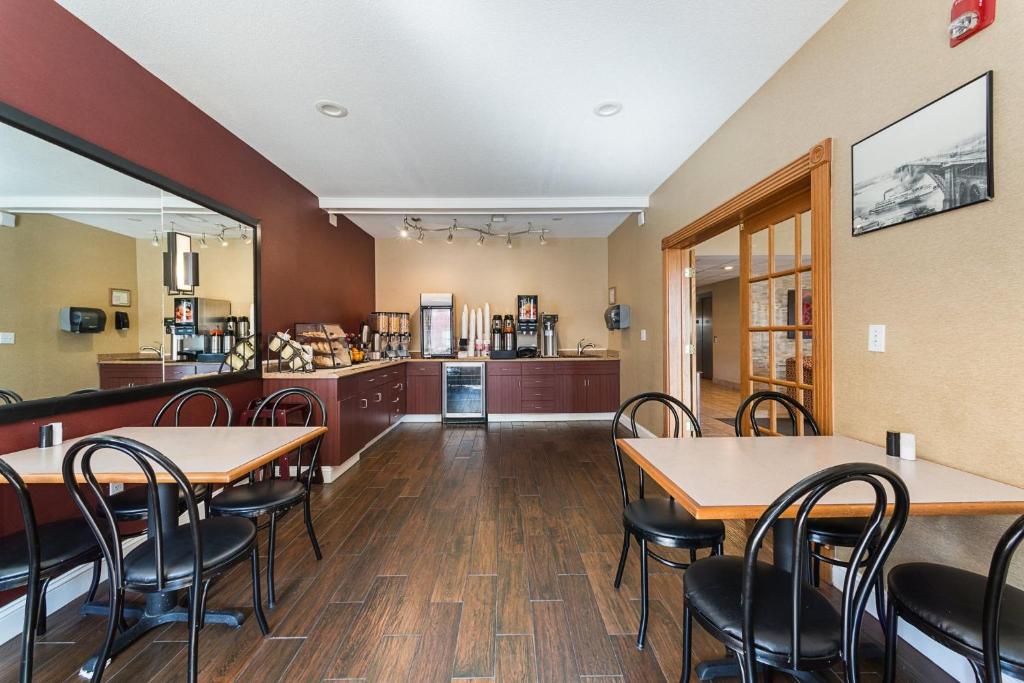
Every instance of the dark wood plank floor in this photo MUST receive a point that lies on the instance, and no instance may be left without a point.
(460, 553)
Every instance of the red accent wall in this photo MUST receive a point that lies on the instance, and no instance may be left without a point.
(58, 69)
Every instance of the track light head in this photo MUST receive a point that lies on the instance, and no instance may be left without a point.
(480, 242)
(508, 241)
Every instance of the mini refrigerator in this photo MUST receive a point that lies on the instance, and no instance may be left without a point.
(464, 392)
(437, 326)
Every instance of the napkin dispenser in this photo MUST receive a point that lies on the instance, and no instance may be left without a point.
(80, 320)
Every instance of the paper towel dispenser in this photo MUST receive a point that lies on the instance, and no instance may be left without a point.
(82, 320)
(617, 317)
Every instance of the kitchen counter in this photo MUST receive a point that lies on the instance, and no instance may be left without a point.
(370, 366)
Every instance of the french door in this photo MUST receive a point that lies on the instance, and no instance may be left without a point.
(777, 301)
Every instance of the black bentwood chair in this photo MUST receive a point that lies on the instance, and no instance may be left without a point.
(767, 615)
(132, 503)
(33, 557)
(8, 397)
(658, 520)
(274, 496)
(189, 557)
(835, 532)
(978, 617)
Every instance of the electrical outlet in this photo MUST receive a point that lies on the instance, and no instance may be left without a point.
(643, 335)
(876, 338)
(6, 337)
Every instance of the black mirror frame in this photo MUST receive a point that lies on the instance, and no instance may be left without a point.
(47, 407)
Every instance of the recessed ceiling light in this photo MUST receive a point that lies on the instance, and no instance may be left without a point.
(728, 267)
(497, 218)
(556, 218)
(606, 109)
(332, 109)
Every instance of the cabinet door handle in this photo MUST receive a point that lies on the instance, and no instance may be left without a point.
(364, 403)
(380, 397)
(396, 400)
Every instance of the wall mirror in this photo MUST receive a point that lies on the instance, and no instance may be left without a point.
(111, 283)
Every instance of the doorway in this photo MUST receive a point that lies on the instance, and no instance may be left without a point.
(785, 293)
(705, 337)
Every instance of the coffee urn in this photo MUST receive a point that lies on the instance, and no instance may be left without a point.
(508, 334)
(496, 333)
(549, 335)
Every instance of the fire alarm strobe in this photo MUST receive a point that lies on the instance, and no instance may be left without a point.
(968, 17)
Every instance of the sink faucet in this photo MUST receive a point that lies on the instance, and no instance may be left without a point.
(582, 345)
(158, 349)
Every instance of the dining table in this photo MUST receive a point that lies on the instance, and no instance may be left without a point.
(206, 455)
(738, 478)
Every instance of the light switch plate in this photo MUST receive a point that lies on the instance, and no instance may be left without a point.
(6, 337)
(876, 338)
(643, 335)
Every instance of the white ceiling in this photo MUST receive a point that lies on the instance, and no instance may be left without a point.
(37, 176)
(560, 225)
(465, 99)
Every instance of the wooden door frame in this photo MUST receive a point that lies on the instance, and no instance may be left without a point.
(812, 171)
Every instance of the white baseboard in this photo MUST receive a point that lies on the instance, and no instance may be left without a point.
(548, 417)
(421, 418)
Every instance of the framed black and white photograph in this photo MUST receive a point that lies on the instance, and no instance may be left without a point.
(937, 159)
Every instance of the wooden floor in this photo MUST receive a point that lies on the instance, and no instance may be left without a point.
(717, 403)
(468, 553)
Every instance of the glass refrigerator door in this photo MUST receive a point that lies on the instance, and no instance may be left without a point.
(464, 390)
(436, 332)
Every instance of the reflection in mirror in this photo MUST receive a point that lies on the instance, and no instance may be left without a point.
(82, 277)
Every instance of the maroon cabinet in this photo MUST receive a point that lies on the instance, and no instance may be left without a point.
(134, 374)
(504, 393)
(423, 388)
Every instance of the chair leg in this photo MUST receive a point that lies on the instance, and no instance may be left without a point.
(257, 601)
(310, 531)
(194, 613)
(816, 566)
(41, 619)
(28, 632)
(880, 600)
(684, 676)
(207, 500)
(94, 583)
(202, 604)
(891, 638)
(622, 558)
(271, 542)
(113, 620)
(641, 636)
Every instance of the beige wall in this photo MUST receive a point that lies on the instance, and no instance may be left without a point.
(46, 263)
(224, 273)
(948, 287)
(569, 276)
(725, 326)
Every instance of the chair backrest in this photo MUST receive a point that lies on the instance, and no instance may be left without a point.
(315, 415)
(221, 406)
(28, 516)
(676, 408)
(144, 457)
(872, 549)
(8, 397)
(793, 408)
(997, 572)
(79, 392)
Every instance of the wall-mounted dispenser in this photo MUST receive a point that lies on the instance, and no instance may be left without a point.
(82, 320)
(617, 317)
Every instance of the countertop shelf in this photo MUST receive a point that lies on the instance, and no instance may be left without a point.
(370, 366)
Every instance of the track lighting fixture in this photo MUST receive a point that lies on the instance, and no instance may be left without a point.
(223, 242)
(403, 232)
(508, 241)
(542, 240)
(156, 239)
(419, 237)
(451, 235)
(480, 242)
(246, 239)
(202, 241)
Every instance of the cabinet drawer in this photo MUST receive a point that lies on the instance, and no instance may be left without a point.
(538, 394)
(421, 369)
(593, 367)
(536, 406)
(541, 368)
(373, 380)
(504, 368)
(540, 381)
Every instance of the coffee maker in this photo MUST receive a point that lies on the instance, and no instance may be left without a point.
(526, 326)
(194, 319)
(548, 335)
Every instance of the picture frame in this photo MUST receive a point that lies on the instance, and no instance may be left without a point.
(936, 159)
(121, 298)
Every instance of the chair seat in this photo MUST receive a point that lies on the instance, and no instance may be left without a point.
(224, 540)
(951, 602)
(68, 542)
(133, 502)
(713, 588)
(836, 531)
(257, 498)
(665, 522)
